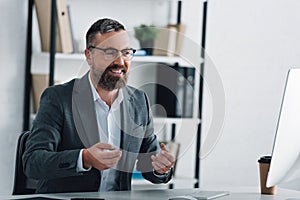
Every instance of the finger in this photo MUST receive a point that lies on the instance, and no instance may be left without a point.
(105, 146)
(111, 162)
(153, 157)
(107, 163)
(101, 155)
(159, 168)
(101, 166)
(168, 155)
(162, 161)
(111, 154)
(165, 158)
(164, 147)
(155, 166)
(156, 158)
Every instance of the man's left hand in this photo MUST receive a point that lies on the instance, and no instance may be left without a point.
(163, 161)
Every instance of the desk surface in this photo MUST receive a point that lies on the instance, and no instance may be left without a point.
(282, 194)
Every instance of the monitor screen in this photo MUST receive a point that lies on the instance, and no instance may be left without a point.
(286, 147)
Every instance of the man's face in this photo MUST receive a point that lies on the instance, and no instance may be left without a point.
(109, 71)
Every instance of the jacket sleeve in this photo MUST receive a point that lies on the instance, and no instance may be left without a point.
(43, 158)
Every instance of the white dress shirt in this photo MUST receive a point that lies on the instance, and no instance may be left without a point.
(108, 120)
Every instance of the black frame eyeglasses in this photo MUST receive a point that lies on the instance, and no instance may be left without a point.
(112, 53)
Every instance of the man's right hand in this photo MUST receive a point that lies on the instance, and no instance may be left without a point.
(101, 156)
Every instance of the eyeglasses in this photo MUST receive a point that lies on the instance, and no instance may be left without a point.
(112, 53)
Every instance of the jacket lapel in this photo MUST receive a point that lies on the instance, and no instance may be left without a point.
(131, 133)
(84, 114)
(86, 125)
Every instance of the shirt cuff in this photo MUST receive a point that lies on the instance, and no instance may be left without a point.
(80, 167)
(162, 175)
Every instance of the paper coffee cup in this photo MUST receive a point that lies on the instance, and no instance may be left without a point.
(264, 165)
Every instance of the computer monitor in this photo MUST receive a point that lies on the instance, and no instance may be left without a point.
(286, 147)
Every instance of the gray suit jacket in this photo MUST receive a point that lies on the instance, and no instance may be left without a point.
(66, 123)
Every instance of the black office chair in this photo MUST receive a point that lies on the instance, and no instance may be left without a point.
(22, 184)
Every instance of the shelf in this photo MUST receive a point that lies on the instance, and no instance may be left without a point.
(80, 56)
(164, 59)
(68, 66)
(40, 60)
(67, 56)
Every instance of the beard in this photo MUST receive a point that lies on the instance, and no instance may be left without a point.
(109, 82)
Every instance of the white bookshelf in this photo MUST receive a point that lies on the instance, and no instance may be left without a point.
(40, 60)
(69, 66)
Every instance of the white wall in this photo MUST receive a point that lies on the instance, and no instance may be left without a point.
(252, 44)
(132, 12)
(12, 59)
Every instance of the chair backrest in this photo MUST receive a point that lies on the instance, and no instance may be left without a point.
(22, 184)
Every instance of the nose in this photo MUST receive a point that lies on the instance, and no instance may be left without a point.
(119, 60)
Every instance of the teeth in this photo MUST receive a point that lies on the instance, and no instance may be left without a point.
(117, 71)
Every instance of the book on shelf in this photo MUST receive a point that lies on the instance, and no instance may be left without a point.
(166, 90)
(180, 28)
(64, 43)
(169, 40)
(189, 92)
(175, 90)
(39, 83)
(74, 42)
(180, 91)
(165, 43)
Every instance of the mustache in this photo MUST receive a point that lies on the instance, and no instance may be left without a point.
(111, 67)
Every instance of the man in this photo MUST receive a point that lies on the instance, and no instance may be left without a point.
(89, 132)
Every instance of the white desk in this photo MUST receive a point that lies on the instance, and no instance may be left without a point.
(282, 194)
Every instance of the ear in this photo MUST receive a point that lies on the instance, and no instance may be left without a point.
(88, 56)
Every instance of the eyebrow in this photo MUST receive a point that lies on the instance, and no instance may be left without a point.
(110, 47)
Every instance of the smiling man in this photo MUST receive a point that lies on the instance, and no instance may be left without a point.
(89, 132)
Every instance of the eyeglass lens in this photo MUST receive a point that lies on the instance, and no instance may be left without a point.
(112, 53)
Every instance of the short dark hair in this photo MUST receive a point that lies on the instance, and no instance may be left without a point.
(101, 26)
